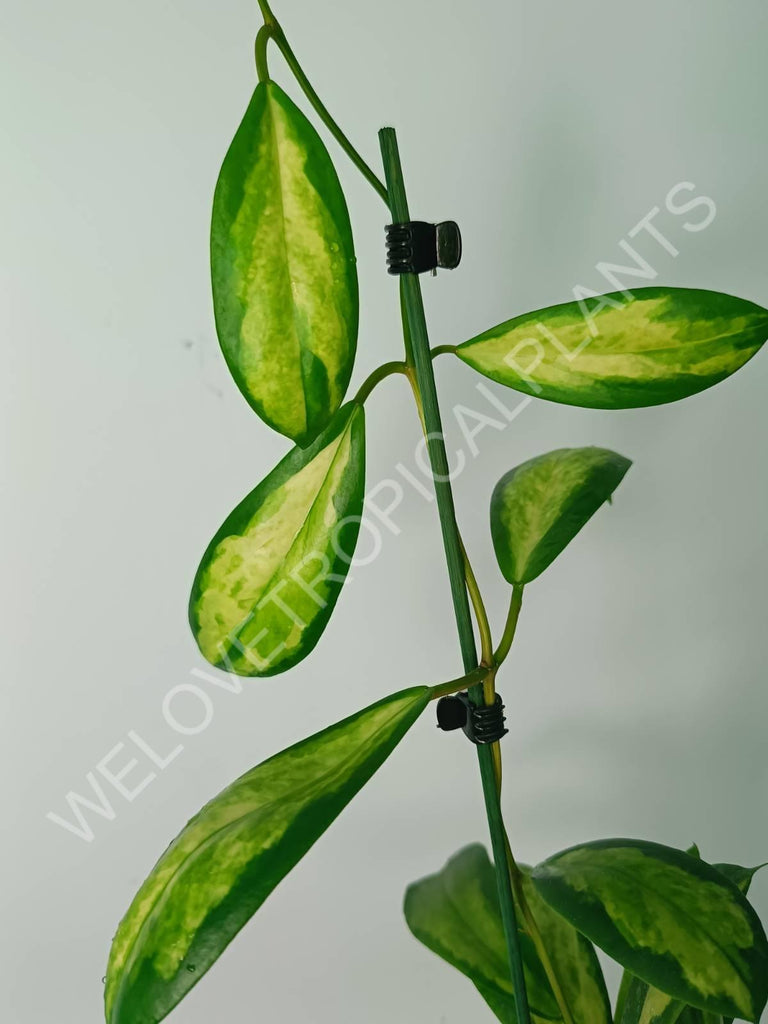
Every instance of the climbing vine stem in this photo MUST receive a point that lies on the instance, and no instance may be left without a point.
(275, 32)
(455, 557)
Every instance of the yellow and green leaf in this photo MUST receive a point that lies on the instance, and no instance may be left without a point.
(283, 269)
(573, 958)
(455, 913)
(269, 579)
(227, 860)
(644, 1004)
(537, 508)
(674, 921)
(621, 351)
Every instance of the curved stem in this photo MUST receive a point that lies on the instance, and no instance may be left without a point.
(515, 603)
(443, 350)
(262, 38)
(486, 641)
(425, 381)
(276, 32)
(378, 375)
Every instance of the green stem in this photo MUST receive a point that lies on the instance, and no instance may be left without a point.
(276, 32)
(536, 937)
(262, 38)
(443, 350)
(378, 375)
(414, 309)
(486, 641)
(477, 676)
(515, 603)
(266, 12)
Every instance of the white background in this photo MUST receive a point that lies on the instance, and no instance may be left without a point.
(637, 689)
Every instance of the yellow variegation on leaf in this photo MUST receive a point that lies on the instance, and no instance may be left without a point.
(283, 269)
(639, 1003)
(673, 921)
(619, 352)
(269, 579)
(455, 913)
(537, 508)
(216, 874)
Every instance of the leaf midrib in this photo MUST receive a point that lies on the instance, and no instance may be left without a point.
(629, 352)
(198, 850)
(303, 526)
(284, 241)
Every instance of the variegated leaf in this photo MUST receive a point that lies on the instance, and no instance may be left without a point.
(537, 508)
(283, 269)
(573, 958)
(672, 920)
(455, 913)
(269, 579)
(620, 352)
(742, 878)
(645, 1004)
(231, 855)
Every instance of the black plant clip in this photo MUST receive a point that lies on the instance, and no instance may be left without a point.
(481, 723)
(415, 247)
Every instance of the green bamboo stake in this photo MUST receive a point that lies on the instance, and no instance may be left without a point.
(425, 379)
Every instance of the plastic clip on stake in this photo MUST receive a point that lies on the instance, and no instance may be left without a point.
(415, 247)
(481, 723)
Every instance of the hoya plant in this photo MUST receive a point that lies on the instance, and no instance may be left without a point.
(285, 299)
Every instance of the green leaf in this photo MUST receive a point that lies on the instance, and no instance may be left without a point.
(645, 1004)
(741, 877)
(283, 269)
(220, 869)
(539, 507)
(269, 579)
(674, 921)
(456, 914)
(573, 958)
(615, 352)
(692, 1016)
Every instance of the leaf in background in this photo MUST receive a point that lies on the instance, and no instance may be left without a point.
(269, 579)
(283, 269)
(672, 920)
(539, 507)
(661, 345)
(231, 855)
(574, 960)
(455, 913)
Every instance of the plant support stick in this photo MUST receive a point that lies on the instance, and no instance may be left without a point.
(425, 379)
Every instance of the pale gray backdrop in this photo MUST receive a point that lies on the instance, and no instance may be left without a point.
(637, 688)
